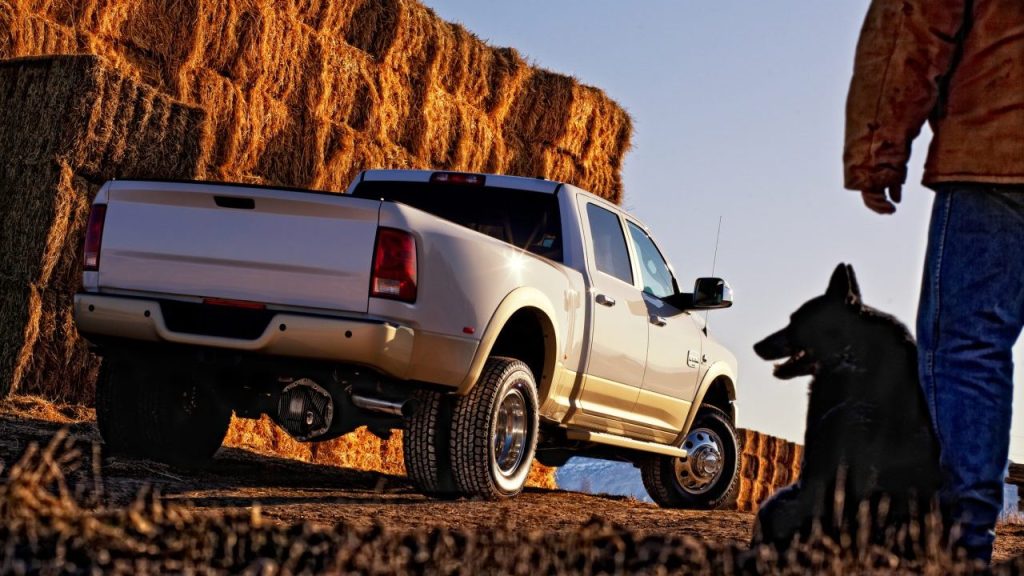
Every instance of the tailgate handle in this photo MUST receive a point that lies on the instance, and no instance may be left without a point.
(234, 202)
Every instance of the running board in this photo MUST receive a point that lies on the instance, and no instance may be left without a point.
(623, 442)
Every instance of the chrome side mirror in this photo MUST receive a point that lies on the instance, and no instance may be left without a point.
(711, 294)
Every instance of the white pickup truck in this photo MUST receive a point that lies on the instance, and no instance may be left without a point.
(494, 319)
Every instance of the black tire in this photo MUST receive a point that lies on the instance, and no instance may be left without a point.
(117, 401)
(673, 483)
(503, 404)
(187, 416)
(425, 446)
(161, 412)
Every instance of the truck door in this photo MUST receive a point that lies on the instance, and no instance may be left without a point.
(674, 346)
(618, 343)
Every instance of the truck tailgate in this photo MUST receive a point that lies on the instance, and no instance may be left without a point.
(264, 245)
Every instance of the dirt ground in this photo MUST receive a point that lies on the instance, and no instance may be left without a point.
(288, 491)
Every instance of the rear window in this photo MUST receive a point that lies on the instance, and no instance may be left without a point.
(528, 220)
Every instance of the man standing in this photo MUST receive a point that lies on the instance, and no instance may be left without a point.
(960, 65)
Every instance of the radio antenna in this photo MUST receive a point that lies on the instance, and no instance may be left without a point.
(714, 264)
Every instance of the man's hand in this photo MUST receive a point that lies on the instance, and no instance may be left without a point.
(877, 201)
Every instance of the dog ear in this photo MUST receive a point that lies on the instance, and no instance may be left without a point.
(853, 296)
(843, 285)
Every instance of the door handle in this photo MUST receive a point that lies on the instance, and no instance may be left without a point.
(658, 320)
(605, 300)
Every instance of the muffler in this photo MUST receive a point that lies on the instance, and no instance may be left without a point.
(401, 408)
(305, 409)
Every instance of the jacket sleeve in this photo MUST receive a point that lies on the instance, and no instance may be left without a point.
(906, 50)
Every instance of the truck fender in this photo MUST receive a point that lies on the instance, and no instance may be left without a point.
(718, 370)
(518, 299)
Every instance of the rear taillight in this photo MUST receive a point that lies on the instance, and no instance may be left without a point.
(94, 236)
(394, 266)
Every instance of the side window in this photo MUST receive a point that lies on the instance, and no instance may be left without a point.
(610, 252)
(656, 275)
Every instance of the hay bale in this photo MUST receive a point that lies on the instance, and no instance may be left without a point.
(67, 121)
(760, 493)
(750, 466)
(751, 441)
(744, 494)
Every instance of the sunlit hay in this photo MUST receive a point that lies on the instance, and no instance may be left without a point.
(287, 54)
(372, 26)
(359, 450)
(744, 494)
(479, 147)
(264, 437)
(767, 464)
(350, 90)
(25, 406)
(541, 108)
(441, 127)
(339, 167)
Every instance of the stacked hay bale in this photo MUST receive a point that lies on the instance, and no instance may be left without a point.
(766, 465)
(306, 93)
(299, 93)
(67, 124)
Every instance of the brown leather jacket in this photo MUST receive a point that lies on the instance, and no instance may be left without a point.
(958, 64)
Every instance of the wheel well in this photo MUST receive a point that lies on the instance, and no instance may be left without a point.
(526, 336)
(720, 395)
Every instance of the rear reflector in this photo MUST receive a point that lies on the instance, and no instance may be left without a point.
(457, 178)
(94, 236)
(394, 266)
(235, 303)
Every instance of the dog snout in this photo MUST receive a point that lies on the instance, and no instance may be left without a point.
(774, 347)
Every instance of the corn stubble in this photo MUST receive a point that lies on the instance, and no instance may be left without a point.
(54, 518)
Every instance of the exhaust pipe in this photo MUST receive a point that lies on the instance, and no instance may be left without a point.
(401, 408)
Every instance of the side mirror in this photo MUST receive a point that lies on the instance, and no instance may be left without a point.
(711, 294)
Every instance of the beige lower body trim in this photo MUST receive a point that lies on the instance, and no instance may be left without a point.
(662, 412)
(397, 351)
(622, 442)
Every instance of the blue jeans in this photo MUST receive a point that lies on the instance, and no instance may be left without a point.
(970, 315)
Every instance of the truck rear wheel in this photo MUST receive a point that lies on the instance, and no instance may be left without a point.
(494, 431)
(117, 416)
(708, 477)
(160, 412)
(425, 446)
(187, 417)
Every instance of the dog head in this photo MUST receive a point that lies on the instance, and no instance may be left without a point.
(818, 331)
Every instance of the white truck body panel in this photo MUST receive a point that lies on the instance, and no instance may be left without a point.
(173, 239)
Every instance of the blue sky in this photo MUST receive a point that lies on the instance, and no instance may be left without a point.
(738, 112)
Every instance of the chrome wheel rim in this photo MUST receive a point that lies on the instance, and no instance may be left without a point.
(700, 470)
(510, 432)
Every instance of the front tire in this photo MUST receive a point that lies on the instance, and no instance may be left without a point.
(494, 431)
(708, 478)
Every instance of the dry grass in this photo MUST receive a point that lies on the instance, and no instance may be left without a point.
(54, 518)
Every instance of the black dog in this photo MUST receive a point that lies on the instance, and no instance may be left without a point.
(869, 440)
